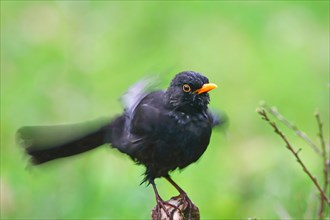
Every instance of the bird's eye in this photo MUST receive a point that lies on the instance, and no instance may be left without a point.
(186, 88)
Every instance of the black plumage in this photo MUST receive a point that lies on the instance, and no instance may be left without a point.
(163, 130)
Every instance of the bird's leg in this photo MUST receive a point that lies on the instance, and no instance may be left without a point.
(183, 194)
(160, 202)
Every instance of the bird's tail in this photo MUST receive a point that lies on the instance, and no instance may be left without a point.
(46, 143)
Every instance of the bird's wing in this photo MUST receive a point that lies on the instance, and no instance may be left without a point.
(218, 118)
(145, 120)
(142, 125)
(137, 92)
(136, 126)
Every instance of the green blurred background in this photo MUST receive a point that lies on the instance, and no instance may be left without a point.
(65, 62)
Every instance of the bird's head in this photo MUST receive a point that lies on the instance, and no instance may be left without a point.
(188, 91)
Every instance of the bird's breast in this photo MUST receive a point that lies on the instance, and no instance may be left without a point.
(188, 131)
(188, 138)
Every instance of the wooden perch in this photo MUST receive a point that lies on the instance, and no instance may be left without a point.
(184, 210)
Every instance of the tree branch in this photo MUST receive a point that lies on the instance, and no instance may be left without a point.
(292, 126)
(264, 115)
(326, 163)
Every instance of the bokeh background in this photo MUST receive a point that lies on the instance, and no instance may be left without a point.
(70, 61)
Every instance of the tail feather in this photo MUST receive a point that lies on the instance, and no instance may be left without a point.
(46, 143)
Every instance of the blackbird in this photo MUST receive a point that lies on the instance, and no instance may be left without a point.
(162, 130)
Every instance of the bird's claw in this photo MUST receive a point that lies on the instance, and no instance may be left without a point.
(186, 202)
(185, 198)
(161, 204)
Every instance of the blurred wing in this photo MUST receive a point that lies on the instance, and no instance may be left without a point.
(137, 92)
(218, 119)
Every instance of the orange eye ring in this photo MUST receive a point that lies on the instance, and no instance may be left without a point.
(186, 88)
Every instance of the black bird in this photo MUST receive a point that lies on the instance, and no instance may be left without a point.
(163, 130)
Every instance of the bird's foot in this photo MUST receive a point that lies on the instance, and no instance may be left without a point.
(179, 208)
(188, 205)
(166, 207)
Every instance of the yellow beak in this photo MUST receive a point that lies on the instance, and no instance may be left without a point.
(206, 88)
